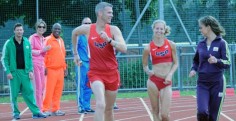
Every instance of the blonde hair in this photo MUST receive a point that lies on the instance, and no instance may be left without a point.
(40, 21)
(167, 28)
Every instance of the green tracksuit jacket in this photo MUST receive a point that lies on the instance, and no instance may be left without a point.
(9, 56)
(21, 81)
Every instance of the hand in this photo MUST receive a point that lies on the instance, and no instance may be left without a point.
(192, 73)
(9, 76)
(77, 60)
(168, 79)
(31, 75)
(104, 36)
(45, 71)
(65, 73)
(46, 48)
(150, 73)
(212, 59)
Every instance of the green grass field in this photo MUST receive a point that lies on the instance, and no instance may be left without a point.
(130, 94)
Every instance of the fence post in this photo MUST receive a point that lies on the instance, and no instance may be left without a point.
(180, 85)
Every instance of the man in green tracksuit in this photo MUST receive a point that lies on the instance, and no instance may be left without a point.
(17, 62)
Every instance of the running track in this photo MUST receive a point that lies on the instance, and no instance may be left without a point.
(135, 109)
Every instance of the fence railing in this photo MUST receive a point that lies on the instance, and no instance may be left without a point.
(132, 75)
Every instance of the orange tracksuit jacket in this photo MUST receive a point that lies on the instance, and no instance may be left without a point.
(56, 65)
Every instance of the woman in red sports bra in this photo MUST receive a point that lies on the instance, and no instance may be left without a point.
(164, 63)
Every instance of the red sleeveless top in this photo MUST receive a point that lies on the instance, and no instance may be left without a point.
(161, 54)
(102, 54)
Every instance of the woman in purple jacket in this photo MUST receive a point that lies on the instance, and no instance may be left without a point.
(38, 51)
(212, 57)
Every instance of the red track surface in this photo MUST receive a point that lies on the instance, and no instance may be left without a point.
(182, 109)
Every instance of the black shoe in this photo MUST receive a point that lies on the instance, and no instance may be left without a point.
(90, 111)
(115, 108)
(16, 117)
(82, 112)
(39, 115)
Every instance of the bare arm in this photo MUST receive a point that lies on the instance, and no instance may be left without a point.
(145, 61)
(81, 30)
(118, 42)
(169, 76)
(175, 60)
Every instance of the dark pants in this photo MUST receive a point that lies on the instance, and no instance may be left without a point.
(210, 96)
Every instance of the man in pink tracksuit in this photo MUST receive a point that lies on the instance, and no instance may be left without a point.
(38, 51)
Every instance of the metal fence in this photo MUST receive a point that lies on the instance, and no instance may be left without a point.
(132, 75)
(133, 17)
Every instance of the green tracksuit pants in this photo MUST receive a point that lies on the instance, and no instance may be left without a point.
(21, 82)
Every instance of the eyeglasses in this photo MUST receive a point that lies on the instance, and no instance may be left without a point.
(87, 23)
(41, 27)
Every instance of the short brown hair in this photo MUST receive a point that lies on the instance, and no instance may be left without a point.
(17, 25)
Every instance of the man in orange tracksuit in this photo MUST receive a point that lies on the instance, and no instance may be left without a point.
(55, 70)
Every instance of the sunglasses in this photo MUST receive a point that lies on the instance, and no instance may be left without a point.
(41, 27)
(87, 23)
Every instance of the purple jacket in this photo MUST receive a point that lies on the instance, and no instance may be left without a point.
(219, 49)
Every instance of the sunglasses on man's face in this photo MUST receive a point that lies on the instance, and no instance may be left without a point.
(41, 27)
(87, 23)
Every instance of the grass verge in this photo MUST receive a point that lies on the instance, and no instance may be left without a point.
(129, 94)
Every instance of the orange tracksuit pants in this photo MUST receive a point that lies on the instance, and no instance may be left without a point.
(54, 88)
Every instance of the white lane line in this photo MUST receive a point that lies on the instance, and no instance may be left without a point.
(147, 109)
(81, 117)
(185, 118)
(24, 111)
(194, 96)
(230, 119)
(124, 119)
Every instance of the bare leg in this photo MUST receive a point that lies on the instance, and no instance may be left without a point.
(110, 97)
(153, 93)
(99, 93)
(166, 94)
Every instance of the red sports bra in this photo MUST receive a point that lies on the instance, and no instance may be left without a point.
(161, 54)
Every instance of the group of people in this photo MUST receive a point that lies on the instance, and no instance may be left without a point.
(36, 67)
(94, 48)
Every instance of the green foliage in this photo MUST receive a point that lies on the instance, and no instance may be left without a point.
(132, 74)
(70, 80)
(136, 7)
(67, 12)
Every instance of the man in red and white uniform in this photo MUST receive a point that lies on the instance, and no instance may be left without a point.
(103, 73)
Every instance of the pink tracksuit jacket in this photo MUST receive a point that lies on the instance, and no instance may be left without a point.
(37, 44)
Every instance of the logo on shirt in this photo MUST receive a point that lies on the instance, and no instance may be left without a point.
(166, 46)
(215, 48)
(93, 38)
(163, 53)
(154, 49)
(100, 45)
(27, 47)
